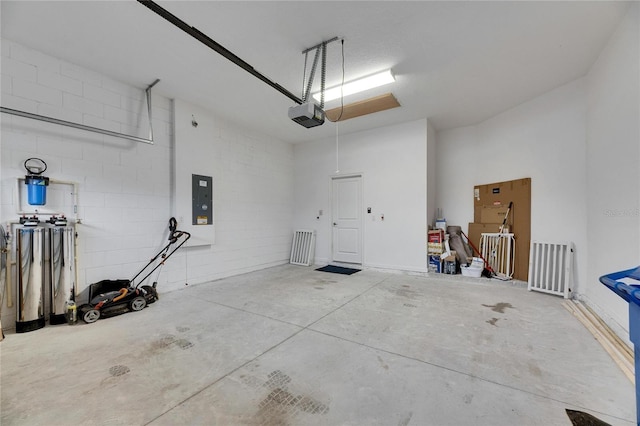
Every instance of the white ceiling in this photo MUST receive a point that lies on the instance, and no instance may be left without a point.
(456, 63)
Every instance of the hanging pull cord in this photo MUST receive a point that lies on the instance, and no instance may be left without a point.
(337, 151)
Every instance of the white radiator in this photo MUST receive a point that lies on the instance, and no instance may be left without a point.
(550, 267)
(499, 250)
(302, 249)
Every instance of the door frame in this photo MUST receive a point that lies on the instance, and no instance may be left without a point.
(332, 178)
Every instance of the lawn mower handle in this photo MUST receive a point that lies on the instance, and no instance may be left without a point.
(174, 236)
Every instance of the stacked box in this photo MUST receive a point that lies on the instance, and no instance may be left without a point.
(435, 236)
(435, 265)
(435, 248)
(490, 204)
(450, 264)
(435, 240)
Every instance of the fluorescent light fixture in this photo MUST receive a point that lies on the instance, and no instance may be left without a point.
(357, 86)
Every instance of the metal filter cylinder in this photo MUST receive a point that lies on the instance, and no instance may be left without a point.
(61, 272)
(31, 274)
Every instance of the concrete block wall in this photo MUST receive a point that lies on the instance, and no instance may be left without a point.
(125, 188)
(253, 193)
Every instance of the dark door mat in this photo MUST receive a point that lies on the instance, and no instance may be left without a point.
(578, 418)
(338, 270)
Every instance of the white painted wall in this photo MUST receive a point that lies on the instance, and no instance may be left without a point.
(613, 159)
(252, 192)
(543, 139)
(192, 155)
(432, 167)
(580, 144)
(393, 162)
(125, 187)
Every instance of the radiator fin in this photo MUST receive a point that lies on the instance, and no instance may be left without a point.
(551, 267)
(303, 246)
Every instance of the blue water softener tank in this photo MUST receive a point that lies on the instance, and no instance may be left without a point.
(36, 184)
(36, 189)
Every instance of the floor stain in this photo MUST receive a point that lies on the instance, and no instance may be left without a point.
(319, 288)
(165, 343)
(499, 307)
(534, 369)
(272, 415)
(252, 381)
(277, 379)
(183, 344)
(321, 281)
(182, 329)
(161, 344)
(118, 370)
(493, 321)
(169, 388)
(283, 397)
(405, 292)
(281, 406)
(406, 420)
(409, 305)
(382, 363)
(467, 398)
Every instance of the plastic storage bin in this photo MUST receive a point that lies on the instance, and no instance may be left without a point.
(626, 284)
(474, 269)
(471, 271)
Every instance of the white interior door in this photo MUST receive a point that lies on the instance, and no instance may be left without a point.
(347, 219)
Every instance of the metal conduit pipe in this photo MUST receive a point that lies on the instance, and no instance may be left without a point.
(90, 128)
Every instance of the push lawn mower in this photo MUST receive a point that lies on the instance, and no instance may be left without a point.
(113, 297)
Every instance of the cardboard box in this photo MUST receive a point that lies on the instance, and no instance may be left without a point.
(477, 229)
(494, 214)
(435, 265)
(498, 195)
(450, 267)
(450, 263)
(501, 194)
(435, 248)
(450, 257)
(435, 236)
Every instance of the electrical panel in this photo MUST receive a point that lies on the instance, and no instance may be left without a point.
(202, 201)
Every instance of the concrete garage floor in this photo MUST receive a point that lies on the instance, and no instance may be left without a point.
(293, 346)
